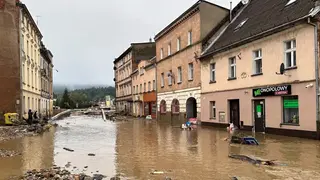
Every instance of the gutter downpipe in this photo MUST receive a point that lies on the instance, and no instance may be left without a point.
(316, 46)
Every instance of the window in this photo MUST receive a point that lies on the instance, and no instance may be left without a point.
(189, 38)
(290, 54)
(134, 89)
(170, 78)
(241, 24)
(32, 80)
(178, 44)
(141, 70)
(154, 85)
(137, 89)
(27, 48)
(22, 42)
(257, 62)
(212, 72)
(36, 79)
(291, 110)
(290, 2)
(162, 79)
(179, 74)
(141, 88)
(23, 73)
(161, 53)
(31, 52)
(169, 49)
(190, 71)
(163, 107)
(144, 87)
(175, 109)
(149, 86)
(232, 68)
(213, 111)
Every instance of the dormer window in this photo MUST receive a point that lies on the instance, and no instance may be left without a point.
(290, 2)
(241, 24)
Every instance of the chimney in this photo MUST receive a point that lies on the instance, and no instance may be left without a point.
(230, 11)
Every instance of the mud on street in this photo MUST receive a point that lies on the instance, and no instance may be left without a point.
(142, 149)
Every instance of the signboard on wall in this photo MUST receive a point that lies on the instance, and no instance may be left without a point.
(272, 91)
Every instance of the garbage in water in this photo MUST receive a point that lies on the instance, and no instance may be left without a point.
(253, 160)
(244, 140)
(91, 154)
(67, 149)
(157, 172)
(149, 117)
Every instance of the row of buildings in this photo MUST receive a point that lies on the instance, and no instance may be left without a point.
(254, 65)
(26, 64)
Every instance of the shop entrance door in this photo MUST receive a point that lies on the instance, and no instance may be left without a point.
(234, 106)
(259, 115)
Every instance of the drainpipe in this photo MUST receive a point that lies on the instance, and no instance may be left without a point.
(156, 79)
(316, 46)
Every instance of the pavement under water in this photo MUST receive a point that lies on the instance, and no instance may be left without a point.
(133, 149)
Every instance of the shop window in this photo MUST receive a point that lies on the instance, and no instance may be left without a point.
(163, 107)
(175, 107)
(291, 110)
(213, 112)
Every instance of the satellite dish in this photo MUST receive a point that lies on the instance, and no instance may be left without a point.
(282, 69)
(245, 2)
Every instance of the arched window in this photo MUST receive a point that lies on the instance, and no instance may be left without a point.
(163, 107)
(175, 107)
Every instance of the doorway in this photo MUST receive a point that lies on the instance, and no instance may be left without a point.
(259, 115)
(191, 108)
(234, 106)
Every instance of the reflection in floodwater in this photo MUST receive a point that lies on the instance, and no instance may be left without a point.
(136, 148)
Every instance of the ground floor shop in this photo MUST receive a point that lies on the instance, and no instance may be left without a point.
(145, 104)
(179, 106)
(284, 109)
(124, 105)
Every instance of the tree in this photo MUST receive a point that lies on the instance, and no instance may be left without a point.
(65, 101)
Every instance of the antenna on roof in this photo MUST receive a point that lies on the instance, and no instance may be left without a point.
(230, 11)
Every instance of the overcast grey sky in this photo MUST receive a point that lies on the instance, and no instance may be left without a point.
(86, 35)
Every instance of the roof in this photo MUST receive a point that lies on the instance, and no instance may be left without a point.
(262, 16)
(191, 9)
(25, 9)
(129, 49)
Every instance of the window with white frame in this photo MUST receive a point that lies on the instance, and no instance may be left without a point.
(190, 71)
(162, 80)
(257, 61)
(290, 54)
(169, 49)
(178, 44)
(149, 86)
(213, 112)
(189, 38)
(179, 74)
(141, 88)
(134, 89)
(144, 87)
(170, 78)
(232, 67)
(154, 85)
(212, 72)
(161, 53)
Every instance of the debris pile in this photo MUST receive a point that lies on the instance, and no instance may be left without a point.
(57, 173)
(8, 153)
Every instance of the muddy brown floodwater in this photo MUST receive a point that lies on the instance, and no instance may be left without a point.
(134, 149)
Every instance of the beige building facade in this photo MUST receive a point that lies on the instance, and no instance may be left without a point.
(178, 68)
(30, 39)
(264, 83)
(144, 89)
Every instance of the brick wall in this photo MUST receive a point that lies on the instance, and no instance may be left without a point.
(9, 56)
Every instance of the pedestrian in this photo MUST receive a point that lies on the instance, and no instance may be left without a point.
(29, 117)
(35, 116)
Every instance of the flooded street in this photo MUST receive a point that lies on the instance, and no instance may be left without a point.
(133, 149)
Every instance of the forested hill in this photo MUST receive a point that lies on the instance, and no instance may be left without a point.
(96, 93)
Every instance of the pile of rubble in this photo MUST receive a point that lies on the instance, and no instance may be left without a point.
(18, 131)
(57, 173)
(8, 153)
